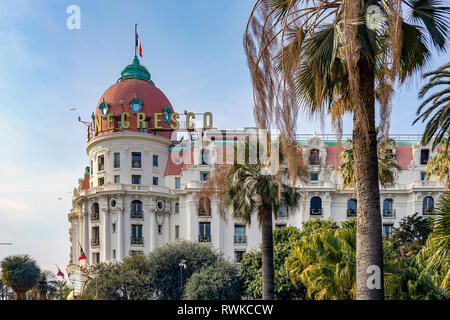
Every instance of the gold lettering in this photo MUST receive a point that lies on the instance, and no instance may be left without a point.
(157, 120)
(140, 120)
(110, 121)
(124, 122)
(188, 116)
(98, 124)
(207, 124)
(174, 118)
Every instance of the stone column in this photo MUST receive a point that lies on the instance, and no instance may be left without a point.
(120, 230)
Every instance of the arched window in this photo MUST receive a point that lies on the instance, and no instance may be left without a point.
(316, 206)
(204, 207)
(314, 157)
(388, 210)
(428, 204)
(136, 209)
(351, 208)
(95, 211)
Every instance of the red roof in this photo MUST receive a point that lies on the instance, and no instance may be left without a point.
(153, 100)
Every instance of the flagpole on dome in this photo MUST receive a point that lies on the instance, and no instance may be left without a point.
(135, 39)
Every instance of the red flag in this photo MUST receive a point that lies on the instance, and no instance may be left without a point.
(82, 256)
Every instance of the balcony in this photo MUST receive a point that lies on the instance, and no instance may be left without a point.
(240, 239)
(95, 216)
(389, 213)
(316, 212)
(135, 240)
(351, 213)
(204, 238)
(137, 215)
(95, 242)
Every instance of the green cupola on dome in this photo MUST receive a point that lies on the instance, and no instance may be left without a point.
(135, 71)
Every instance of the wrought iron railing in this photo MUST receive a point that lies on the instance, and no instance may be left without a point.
(240, 239)
(95, 242)
(137, 215)
(204, 238)
(136, 240)
(95, 216)
(389, 213)
(316, 212)
(427, 211)
(351, 213)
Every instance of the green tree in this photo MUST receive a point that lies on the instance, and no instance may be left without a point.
(167, 278)
(62, 290)
(434, 109)
(332, 59)
(46, 285)
(5, 293)
(411, 234)
(127, 280)
(435, 255)
(439, 165)
(217, 282)
(21, 273)
(251, 265)
(387, 164)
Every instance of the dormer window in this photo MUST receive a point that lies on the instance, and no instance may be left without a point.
(424, 155)
(314, 157)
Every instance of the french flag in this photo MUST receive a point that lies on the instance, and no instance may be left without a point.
(138, 44)
(82, 255)
(60, 273)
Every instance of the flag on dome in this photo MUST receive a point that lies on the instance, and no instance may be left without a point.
(138, 44)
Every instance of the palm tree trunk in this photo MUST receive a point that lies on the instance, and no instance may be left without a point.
(21, 295)
(369, 249)
(267, 252)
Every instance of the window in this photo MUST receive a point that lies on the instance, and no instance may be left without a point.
(314, 157)
(387, 230)
(280, 225)
(114, 254)
(136, 234)
(238, 256)
(101, 163)
(96, 257)
(387, 208)
(424, 154)
(136, 160)
(177, 207)
(155, 181)
(282, 211)
(113, 227)
(313, 176)
(116, 179)
(155, 160)
(145, 129)
(423, 175)
(316, 206)
(351, 208)
(428, 205)
(95, 211)
(177, 232)
(136, 209)
(177, 183)
(136, 179)
(204, 232)
(203, 176)
(101, 181)
(239, 234)
(159, 228)
(204, 207)
(95, 241)
(119, 124)
(117, 160)
(205, 156)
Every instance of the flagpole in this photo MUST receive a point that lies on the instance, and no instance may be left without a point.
(135, 32)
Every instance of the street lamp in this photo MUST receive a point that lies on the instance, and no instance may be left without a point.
(182, 265)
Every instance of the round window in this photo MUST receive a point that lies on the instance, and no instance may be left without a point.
(160, 204)
(113, 203)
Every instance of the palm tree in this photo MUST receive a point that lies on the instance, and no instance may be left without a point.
(439, 165)
(387, 164)
(327, 57)
(46, 285)
(62, 290)
(248, 189)
(435, 254)
(21, 273)
(436, 104)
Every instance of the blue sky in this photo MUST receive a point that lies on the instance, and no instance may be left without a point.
(193, 50)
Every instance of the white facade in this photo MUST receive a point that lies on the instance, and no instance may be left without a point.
(116, 234)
